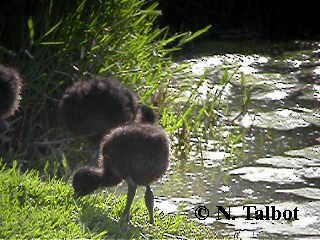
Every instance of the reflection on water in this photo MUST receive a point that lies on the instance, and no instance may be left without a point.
(279, 162)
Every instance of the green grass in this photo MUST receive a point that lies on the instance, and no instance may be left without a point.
(90, 38)
(33, 208)
(119, 37)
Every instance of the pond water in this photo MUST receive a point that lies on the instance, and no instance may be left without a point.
(278, 163)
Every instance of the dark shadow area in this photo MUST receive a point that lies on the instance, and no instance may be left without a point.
(243, 19)
(97, 221)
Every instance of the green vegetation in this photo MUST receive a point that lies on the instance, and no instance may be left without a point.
(68, 42)
(32, 208)
(99, 38)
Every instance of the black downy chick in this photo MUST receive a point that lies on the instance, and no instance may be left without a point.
(92, 108)
(10, 90)
(137, 153)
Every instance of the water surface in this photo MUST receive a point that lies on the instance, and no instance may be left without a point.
(279, 160)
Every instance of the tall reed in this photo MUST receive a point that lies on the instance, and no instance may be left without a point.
(118, 37)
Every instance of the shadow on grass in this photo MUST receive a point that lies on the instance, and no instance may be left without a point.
(98, 221)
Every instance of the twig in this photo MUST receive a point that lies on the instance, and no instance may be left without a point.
(52, 142)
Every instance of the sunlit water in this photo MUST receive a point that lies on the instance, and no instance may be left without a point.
(279, 162)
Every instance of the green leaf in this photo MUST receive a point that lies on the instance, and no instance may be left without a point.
(52, 29)
(194, 35)
(31, 29)
(51, 43)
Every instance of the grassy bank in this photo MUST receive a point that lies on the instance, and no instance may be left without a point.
(91, 38)
(33, 208)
